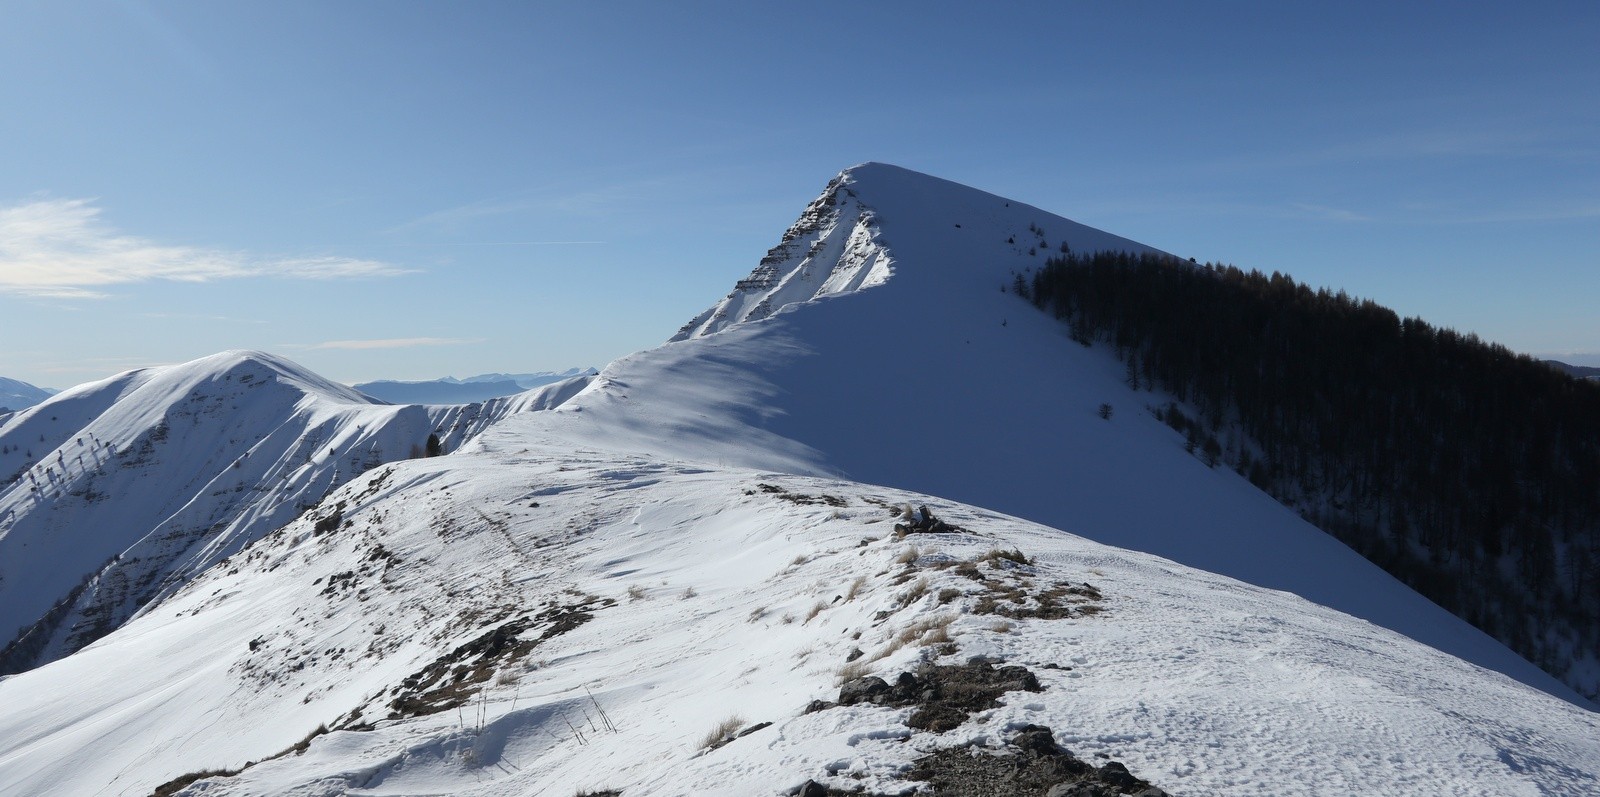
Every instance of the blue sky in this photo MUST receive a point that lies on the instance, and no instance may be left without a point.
(409, 190)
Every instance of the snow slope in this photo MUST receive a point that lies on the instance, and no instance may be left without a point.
(941, 383)
(713, 595)
(117, 491)
(617, 563)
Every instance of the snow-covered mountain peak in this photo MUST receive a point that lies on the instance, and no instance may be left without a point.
(873, 218)
(117, 491)
(246, 365)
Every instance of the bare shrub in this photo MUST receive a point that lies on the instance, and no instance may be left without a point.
(908, 556)
(636, 593)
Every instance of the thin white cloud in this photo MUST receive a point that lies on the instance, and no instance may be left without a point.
(1325, 213)
(60, 249)
(385, 343)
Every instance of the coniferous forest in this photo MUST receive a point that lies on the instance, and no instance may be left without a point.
(1467, 471)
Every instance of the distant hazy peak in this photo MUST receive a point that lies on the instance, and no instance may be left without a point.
(16, 394)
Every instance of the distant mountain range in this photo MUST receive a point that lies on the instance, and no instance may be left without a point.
(17, 395)
(473, 389)
(1580, 371)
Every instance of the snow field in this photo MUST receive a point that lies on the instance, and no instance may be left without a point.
(730, 600)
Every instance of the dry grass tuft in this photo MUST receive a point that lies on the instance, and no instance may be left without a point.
(929, 631)
(994, 556)
(721, 733)
(851, 671)
(816, 609)
(855, 588)
(913, 594)
(908, 556)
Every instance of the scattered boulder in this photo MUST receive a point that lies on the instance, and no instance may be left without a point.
(922, 521)
(945, 695)
(862, 690)
(811, 788)
(1036, 765)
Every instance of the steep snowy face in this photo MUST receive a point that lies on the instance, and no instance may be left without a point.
(837, 246)
(832, 248)
(117, 492)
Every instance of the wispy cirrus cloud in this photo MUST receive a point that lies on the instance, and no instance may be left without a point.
(383, 343)
(61, 249)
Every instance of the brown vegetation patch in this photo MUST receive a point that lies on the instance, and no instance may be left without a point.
(798, 498)
(452, 679)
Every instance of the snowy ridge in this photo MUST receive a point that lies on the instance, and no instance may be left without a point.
(711, 593)
(473, 389)
(118, 491)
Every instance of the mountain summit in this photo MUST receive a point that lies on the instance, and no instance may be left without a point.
(740, 563)
(836, 245)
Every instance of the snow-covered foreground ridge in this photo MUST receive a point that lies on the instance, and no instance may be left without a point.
(671, 597)
(117, 492)
(606, 570)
